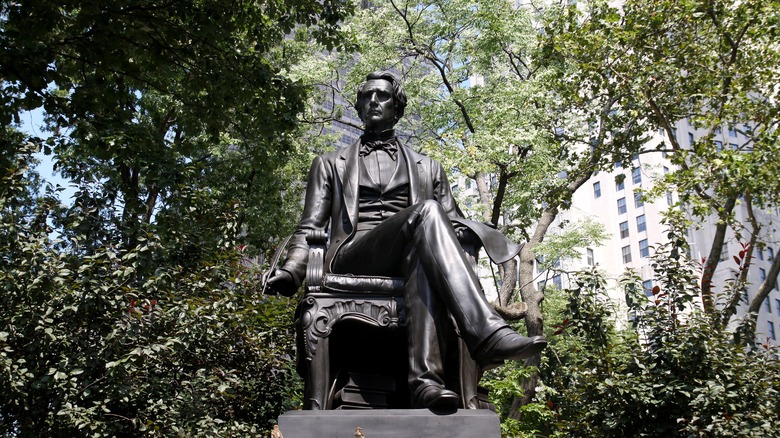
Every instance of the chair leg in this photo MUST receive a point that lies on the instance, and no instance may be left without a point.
(318, 384)
(468, 377)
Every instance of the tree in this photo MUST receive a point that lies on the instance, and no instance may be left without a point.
(714, 64)
(135, 308)
(92, 343)
(147, 95)
(671, 372)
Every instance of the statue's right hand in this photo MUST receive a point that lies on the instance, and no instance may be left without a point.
(280, 282)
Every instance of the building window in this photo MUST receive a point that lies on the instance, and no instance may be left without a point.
(767, 305)
(591, 258)
(732, 131)
(724, 253)
(596, 189)
(638, 202)
(557, 281)
(666, 170)
(647, 285)
(762, 274)
(621, 205)
(618, 164)
(771, 327)
(644, 248)
(718, 145)
(691, 140)
(641, 224)
(636, 176)
(777, 306)
(620, 185)
(760, 253)
(771, 254)
(623, 230)
(627, 254)
(669, 199)
(718, 130)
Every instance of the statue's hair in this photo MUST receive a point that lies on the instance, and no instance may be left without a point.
(399, 95)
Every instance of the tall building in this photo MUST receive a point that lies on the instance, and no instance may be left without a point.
(635, 227)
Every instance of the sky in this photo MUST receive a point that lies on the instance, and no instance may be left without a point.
(32, 123)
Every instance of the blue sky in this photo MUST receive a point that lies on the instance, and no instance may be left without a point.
(32, 123)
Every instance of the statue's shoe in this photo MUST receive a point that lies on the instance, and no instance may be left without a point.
(437, 398)
(506, 344)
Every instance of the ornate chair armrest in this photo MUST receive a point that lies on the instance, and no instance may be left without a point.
(315, 268)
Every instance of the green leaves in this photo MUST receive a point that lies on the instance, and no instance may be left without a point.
(133, 309)
(182, 349)
(671, 370)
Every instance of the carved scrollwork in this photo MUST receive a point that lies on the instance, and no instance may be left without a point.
(320, 315)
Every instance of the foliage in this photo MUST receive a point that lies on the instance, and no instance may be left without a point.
(134, 308)
(712, 63)
(92, 343)
(670, 372)
(505, 386)
(567, 241)
(146, 101)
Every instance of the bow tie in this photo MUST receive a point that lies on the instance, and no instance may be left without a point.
(388, 145)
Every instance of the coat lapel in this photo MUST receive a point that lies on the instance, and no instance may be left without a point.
(348, 169)
(416, 175)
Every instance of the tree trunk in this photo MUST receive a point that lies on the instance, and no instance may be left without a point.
(730, 310)
(748, 331)
(484, 195)
(534, 321)
(714, 257)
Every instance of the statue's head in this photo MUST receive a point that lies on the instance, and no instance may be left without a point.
(381, 101)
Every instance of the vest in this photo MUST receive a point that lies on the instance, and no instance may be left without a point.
(376, 203)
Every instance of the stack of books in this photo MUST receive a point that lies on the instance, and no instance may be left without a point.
(365, 391)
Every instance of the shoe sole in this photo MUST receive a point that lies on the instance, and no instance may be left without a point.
(445, 403)
(529, 351)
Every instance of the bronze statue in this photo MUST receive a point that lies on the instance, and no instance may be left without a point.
(390, 212)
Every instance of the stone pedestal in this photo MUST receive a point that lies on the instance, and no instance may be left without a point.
(390, 423)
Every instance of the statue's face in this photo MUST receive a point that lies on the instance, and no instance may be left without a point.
(377, 105)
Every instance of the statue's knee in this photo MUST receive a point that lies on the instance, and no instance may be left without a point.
(429, 207)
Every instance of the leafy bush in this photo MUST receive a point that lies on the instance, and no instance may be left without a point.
(108, 340)
(671, 371)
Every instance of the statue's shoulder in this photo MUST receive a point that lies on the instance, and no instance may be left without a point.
(419, 157)
(332, 156)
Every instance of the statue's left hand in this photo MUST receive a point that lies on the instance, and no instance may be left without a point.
(281, 282)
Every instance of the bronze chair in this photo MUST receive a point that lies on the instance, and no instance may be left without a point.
(367, 305)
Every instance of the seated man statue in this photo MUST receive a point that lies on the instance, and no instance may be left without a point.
(391, 213)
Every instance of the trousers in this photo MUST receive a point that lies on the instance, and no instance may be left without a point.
(420, 244)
